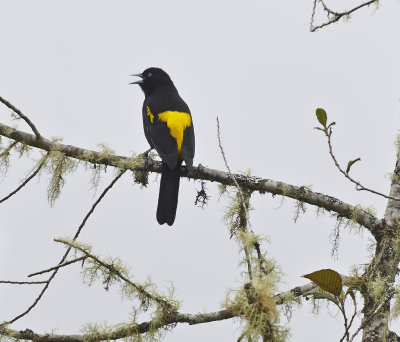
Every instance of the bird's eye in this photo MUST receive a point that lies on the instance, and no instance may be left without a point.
(149, 74)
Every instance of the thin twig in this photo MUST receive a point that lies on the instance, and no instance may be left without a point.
(346, 326)
(359, 186)
(26, 181)
(22, 116)
(242, 199)
(68, 250)
(231, 174)
(58, 266)
(260, 258)
(347, 332)
(23, 282)
(372, 315)
(336, 15)
(113, 270)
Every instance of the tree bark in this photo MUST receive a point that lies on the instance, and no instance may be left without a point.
(384, 267)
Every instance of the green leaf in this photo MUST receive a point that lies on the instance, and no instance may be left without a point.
(321, 116)
(350, 164)
(332, 124)
(327, 279)
(354, 286)
(319, 128)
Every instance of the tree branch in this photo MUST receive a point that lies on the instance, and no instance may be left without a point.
(359, 186)
(44, 289)
(26, 181)
(113, 270)
(334, 16)
(23, 282)
(58, 266)
(22, 116)
(137, 329)
(247, 182)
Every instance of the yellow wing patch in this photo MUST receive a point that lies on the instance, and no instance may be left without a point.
(177, 122)
(150, 114)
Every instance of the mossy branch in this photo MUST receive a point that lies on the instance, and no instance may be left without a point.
(112, 270)
(55, 271)
(126, 330)
(200, 172)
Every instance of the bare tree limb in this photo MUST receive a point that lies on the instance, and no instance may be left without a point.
(26, 181)
(23, 282)
(251, 183)
(58, 266)
(359, 186)
(22, 116)
(334, 16)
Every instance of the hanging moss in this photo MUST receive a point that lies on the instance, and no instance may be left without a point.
(58, 165)
(255, 303)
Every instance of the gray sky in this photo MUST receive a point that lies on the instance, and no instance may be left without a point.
(256, 66)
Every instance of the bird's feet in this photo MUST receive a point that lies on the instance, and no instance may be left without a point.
(145, 155)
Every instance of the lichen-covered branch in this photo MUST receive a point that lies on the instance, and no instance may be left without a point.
(55, 271)
(200, 172)
(380, 274)
(127, 330)
(113, 270)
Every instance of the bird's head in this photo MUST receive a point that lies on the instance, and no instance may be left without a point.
(152, 78)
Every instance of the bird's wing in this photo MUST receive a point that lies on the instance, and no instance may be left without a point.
(159, 137)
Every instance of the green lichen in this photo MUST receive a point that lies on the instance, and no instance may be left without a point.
(105, 151)
(23, 149)
(222, 189)
(377, 288)
(255, 303)
(299, 208)
(397, 146)
(5, 153)
(112, 271)
(95, 179)
(58, 166)
(395, 312)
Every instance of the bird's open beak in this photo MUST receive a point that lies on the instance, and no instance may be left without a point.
(138, 81)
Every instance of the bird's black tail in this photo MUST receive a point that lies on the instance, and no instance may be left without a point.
(168, 196)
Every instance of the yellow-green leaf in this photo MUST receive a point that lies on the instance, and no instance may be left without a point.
(350, 164)
(354, 285)
(321, 116)
(327, 279)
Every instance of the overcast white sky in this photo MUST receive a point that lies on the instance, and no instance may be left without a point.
(66, 64)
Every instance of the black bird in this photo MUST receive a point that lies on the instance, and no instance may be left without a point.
(168, 128)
